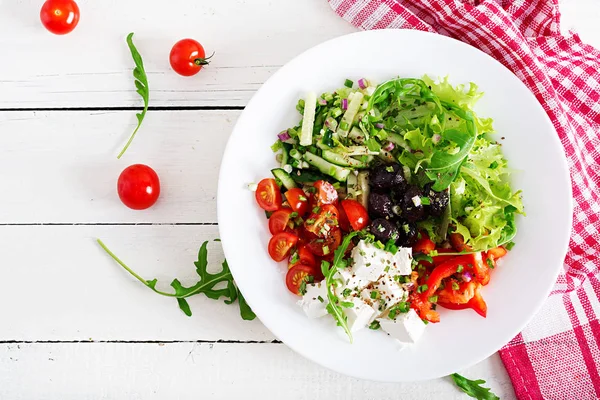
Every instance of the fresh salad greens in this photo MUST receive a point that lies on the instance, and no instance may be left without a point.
(430, 129)
(141, 84)
(207, 284)
(474, 388)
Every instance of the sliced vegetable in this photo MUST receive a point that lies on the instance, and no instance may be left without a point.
(326, 193)
(281, 244)
(268, 195)
(308, 121)
(284, 177)
(279, 221)
(298, 200)
(358, 217)
(348, 118)
(299, 275)
(335, 171)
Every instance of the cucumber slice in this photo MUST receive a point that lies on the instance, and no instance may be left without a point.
(339, 173)
(308, 120)
(352, 186)
(363, 186)
(284, 177)
(342, 159)
(350, 115)
(356, 135)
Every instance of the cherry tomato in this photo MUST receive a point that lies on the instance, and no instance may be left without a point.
(297, 274)
(281, 244)
(357, 214)
(188, 57)
(60, 16)
(424, 245)
(268, 195)
(325, 247)
(280, 220)
(138, 187)
(343, 220)
(302, 256)
(323, 222)
(298, 200)
(326, 193)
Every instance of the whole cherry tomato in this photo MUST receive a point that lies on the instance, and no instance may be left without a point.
(138, 187)
(60, 16)
(188, 57)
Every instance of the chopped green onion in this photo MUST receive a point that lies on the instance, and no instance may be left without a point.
(422, 288)
(325, 250)
(460, 269)
(375, 325)
(373, 294)
(455, 286)
(509, 246)
(425, 201)
(348, 83)
(433, 299)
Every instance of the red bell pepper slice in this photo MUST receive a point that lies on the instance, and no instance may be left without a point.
(476, 303)
(424, 245)
(447, 269)
(423, 308)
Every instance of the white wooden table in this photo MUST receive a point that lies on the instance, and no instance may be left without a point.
(73, 325)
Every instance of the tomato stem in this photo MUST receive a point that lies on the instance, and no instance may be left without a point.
(203, 61)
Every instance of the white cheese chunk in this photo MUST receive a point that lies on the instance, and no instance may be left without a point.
(370, 263)
(350, 281)
(314, 302)
(403, 261)
(374, 303)
(406, 327)
(360, 315)
(390, 292)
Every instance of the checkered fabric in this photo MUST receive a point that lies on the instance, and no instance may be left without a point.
(557, 356)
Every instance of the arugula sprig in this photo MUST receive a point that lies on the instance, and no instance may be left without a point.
(334, 306)
(474, 388)
(207, 284)
(141, 84)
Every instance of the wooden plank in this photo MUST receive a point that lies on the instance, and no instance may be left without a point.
(57, 284)
(64, 166)
(92, 65)
(202, 370)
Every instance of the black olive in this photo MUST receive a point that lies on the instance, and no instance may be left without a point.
(438, 201)
(387, 177)
(410, 211)
(408, 234)
(383, 230)
(380, 205)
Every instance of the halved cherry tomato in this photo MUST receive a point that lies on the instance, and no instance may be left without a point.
(325, 247)
(447, 269)
(297, 274)
(326, 193)
(476, 303)
(343, 220)
(281, 244)
(458, 242)
(457, 293)
(268, 195)
(323, 222)
(279, 220)
(303, 256)
(357, 214)
(424, 245)
(298, 200)
(423, 308)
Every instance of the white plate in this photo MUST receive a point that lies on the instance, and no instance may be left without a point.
(518, 287)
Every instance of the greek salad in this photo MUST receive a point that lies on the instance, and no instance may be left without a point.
(390, 202)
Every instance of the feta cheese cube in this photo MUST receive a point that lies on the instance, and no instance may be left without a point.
(406, 327)
(403, 261)
(369, 261)
(314, 302)
(360, 315)
(349, 281)
(390, 291)
(374, 303)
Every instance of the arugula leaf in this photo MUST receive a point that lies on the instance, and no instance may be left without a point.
(334, 307)
(207, 284)
(474, 388)
(141, 84)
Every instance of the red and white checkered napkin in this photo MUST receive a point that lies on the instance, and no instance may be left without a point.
(557, 356)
